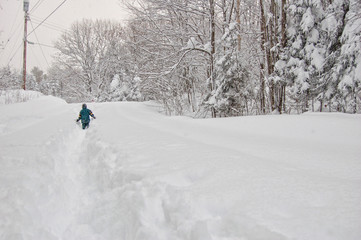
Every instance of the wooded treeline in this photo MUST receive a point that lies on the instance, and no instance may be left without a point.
(216, 57)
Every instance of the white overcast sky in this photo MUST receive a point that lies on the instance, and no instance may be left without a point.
(12, 26)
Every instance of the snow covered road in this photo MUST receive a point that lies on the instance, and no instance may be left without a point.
(136, 174)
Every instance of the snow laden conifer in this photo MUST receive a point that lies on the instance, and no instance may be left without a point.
(333, 25)
(302, 61)
(321, 61)
(123, 88)
(233, 86)
(347, 70)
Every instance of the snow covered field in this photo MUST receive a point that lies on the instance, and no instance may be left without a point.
(136, 174)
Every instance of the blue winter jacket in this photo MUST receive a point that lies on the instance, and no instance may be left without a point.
(85, 114)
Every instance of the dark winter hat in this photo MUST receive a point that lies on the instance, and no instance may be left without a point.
(84, 105)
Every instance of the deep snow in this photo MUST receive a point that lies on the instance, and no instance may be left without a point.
(137, 174)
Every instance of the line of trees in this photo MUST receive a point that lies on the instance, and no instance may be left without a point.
(218, 57)
(240, 57)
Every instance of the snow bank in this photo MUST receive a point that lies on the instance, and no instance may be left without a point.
(16, 117)
(17, 96)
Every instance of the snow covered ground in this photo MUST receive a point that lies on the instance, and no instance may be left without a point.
(136, 174)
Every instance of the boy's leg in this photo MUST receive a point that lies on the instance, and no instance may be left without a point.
(83, 125)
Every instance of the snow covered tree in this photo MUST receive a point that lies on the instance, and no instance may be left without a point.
(123, 88)
(178, 45)
(38, 74)
(9, 79)
(232, 83)
(92, 51)
(34, 81)
(344, 82)
(272, 24)
(58, 83)
(305, 50)
(303, 58)
(172, 45)
(320, 61)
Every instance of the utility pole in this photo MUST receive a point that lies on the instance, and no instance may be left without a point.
(26, 16)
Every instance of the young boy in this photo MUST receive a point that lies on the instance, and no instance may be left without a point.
(84, 116)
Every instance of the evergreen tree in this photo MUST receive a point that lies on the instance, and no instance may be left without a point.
(233, 86)
(347, 68)
(322, 59)
(302, 61)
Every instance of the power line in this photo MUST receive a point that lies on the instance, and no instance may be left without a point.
(42, 44)
(13, 48)
(49, 25)
(36, 36)
(47, 17)
(21, 44)
(16, 16)
(12, 32)
(48, 22)
(37, 4)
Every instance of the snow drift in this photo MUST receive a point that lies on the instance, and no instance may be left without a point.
(16, 96)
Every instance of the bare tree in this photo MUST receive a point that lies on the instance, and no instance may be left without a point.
(90, 50)
(170, 41)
